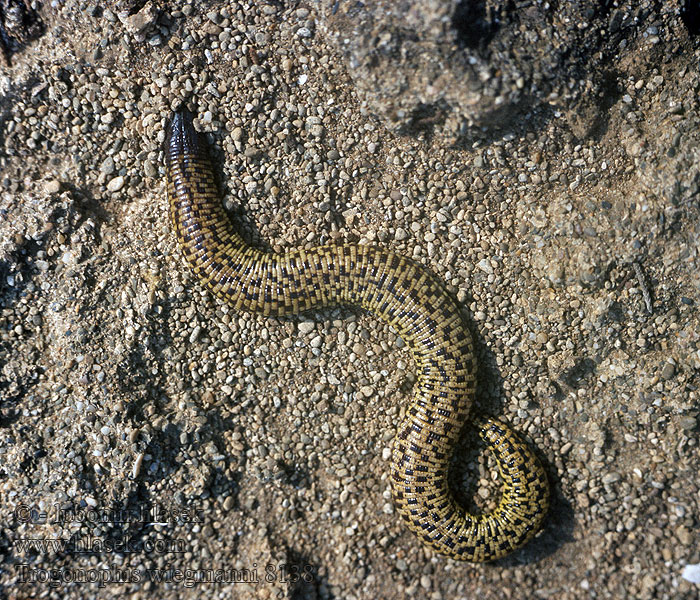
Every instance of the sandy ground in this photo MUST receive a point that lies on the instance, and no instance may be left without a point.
(153, 443)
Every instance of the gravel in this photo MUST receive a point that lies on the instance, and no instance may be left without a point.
(570, 242)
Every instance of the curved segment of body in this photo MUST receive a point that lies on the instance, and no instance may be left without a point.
(417, 305)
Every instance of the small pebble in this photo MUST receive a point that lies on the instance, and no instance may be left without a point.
(195, 334)
(691, 573)
(306, 327)
(668, 371)
(52, 187)
(116, 184)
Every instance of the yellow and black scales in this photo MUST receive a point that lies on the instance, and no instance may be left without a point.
(417, 305)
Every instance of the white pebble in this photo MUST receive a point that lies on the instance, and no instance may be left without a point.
(115, 184)
(485, 266)
(195, 334)
(136, 469)
(306, 327)
(691, 573)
